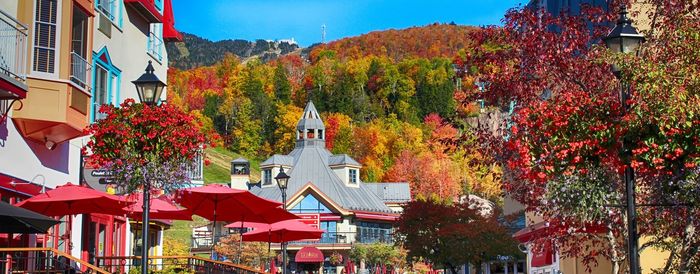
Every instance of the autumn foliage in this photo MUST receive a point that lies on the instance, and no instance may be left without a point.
(569, 137)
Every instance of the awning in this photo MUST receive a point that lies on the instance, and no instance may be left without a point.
(19, 187)
(309, 254)
(170, 33)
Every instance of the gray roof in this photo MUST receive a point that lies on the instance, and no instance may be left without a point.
(240, 160)
(309, 162)
(310, 119)
(278, 159)
(342, 159)
(392, 192)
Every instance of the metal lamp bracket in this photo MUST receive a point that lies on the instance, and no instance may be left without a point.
(5, 108)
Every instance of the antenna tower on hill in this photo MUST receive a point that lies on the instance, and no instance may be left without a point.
(323, 33)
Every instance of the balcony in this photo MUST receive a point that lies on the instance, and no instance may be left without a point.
(147, 9)
(80, 71)
(13, 58)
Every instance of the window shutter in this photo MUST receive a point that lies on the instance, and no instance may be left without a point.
(45, 36)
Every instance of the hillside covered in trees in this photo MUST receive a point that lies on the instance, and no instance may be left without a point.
(195, 51)
(394, 114)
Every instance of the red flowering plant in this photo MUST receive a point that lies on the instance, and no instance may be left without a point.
(563, 153)
(140, 143)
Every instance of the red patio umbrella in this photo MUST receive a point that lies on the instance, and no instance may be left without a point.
(284, 231)
(70, 199)
(221, 203)
(161, 208)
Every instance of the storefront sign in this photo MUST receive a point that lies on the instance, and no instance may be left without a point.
(312, 220)
(309, 254)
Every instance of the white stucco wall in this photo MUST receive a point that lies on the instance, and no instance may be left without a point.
(127, 48)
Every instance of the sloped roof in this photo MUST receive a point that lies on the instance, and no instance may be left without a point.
(310, 119)
(342, 159)
(240, 160)
(310, 165)
(278, 159)
(392, 192)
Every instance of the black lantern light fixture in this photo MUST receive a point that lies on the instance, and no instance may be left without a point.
(624, 38)
(149, 87)
(282, 180)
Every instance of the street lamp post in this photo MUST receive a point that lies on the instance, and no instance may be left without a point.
(624, 38)
(282, 180)
(149, 88)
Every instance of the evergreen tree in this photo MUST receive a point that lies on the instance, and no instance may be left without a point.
(283, 90)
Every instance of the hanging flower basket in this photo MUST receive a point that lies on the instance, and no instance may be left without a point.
(335, 258)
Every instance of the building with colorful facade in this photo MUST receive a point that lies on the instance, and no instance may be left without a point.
(59, 61)
(325, 190)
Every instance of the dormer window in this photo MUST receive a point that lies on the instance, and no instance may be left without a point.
(309, 134)
(267, 177)
(353, 176)
(320, 134)
(300, 134)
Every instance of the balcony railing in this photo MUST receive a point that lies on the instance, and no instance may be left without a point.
(155, 46)
(13, 47)
(195, 170)
(204, 243)
(80, 71)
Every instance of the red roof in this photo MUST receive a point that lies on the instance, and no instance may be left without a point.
(543, 229)
(170, 34)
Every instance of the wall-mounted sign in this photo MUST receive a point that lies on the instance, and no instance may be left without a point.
(313, 220)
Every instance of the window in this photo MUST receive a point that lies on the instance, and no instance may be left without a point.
(374, 232)
(320, 134)
(45, 34)
(309, 134)
(330, 234)
(79, 64)
(159, 5)
(106, 82)
(267, 177)
(101, 91)
(310, 205)
(353, 176)
(111, 9)
(155, 41)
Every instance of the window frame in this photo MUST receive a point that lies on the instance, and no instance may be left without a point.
(267, 177)
(57, 44)
(113, 81)
(155, 34)
(353, 176)
(116, 15)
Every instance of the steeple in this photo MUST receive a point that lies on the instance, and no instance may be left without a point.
(310, 130)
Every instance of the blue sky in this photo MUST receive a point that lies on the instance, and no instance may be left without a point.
(302, 19)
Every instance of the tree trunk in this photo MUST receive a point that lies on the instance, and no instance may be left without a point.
(613, 247)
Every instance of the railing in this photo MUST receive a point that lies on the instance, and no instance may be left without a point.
(79, 72)
(195, 170)
(106, 7)
(42, 260)
(177, 264)
(13, 47)
(155, 46)
(204, 242)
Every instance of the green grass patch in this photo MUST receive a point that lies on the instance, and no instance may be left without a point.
(216, 174)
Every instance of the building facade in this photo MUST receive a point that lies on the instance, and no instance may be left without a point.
(60, 60)
(326, 190)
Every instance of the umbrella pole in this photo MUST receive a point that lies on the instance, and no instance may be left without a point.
(240, 243)
(213, 229)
